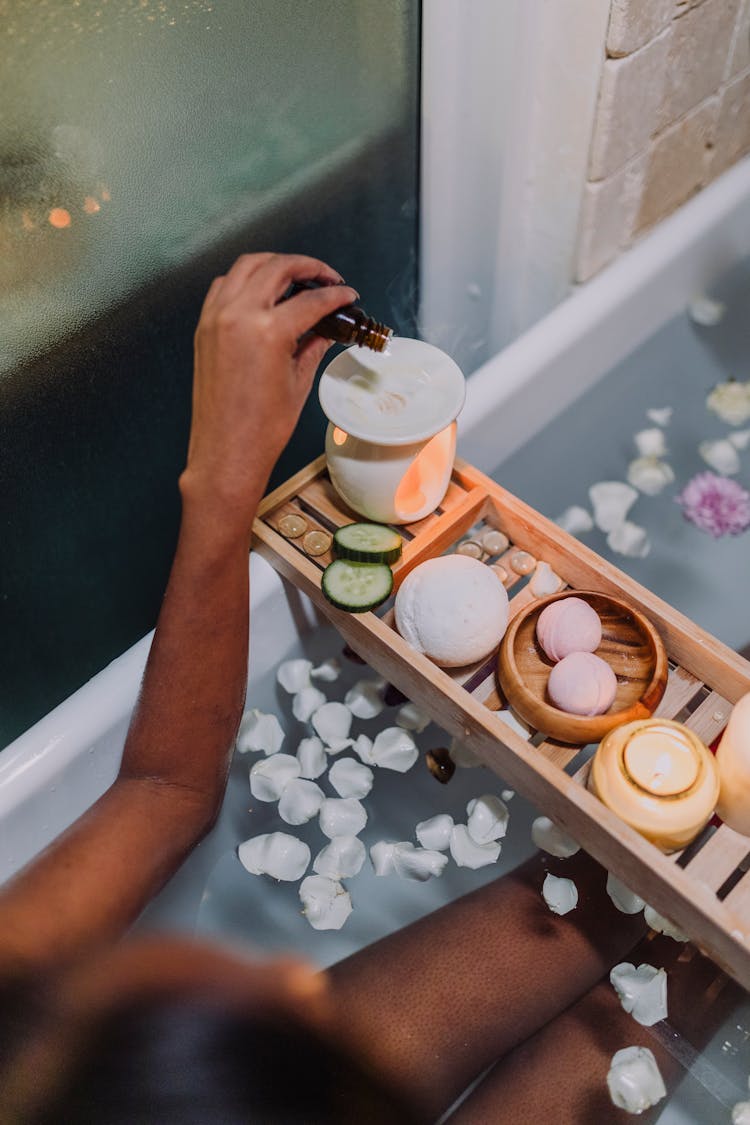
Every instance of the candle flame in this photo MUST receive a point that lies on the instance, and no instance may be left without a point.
(90, 205)
(339, 436)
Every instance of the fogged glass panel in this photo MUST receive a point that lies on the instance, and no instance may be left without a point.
(143, 144)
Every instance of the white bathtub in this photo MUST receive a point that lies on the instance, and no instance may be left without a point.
(56, 769)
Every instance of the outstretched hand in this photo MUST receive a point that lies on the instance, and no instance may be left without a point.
(254, 367)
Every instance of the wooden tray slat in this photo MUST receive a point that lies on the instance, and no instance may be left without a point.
(682, 688)
(453, 496)
(319, 495)
(709, 719)
(686, 894)
(738, 899)
(719, 857)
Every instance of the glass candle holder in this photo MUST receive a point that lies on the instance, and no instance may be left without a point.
(391, 438)
(659, 778)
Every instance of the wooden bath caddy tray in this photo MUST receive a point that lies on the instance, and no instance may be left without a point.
(705, 890)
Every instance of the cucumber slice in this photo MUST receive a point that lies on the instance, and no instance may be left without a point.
(356, 586)
(367, 542)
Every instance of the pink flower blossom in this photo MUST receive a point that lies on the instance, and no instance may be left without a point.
(716, 504)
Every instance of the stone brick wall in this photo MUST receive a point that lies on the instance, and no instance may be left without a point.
(673, 113)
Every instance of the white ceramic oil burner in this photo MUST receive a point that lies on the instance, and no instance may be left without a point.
(391, 436)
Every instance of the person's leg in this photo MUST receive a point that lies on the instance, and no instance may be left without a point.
(560, 1073)
(435, 1004)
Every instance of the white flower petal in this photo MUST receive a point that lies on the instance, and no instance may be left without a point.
(312, 758)
(650, 443)
(611, 501)
(381, 855)
(394, 749)
(462, 755)
(326, 904)
(551, 839)
(410, 717)
(300, 801)
(362, 747)
(365, 699)
(705, 311)
(649, 475)
(468, 853)
(328, 671)
(417, 863)
(508, 794)
(544, 581)
(259, 731)
(660, 415)
(306, 702)
(575, 520)
(336, 745)
(350, 778)
(634, 1080)
(730, 401)
(561, 895)
(721, 455)
(488, 818)
(662, 925)
(332, 722)
(270, 776)
(342, 816)
(276, 854)
(741, 1113)
(642, 991)
(435, 833)
(622, 897)
(294, 675)
(740, 439)
(341, 859)
(630, 540)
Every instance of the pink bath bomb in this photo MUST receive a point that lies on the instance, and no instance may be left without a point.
(582, 684)
(568, 625)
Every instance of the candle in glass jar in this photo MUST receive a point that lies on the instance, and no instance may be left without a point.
(659, 778)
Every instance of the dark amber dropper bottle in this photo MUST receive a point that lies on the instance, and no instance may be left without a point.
(349, 325)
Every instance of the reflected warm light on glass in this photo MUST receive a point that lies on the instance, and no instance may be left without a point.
(59, 218)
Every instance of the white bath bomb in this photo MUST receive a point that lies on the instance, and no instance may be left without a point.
(452, 609)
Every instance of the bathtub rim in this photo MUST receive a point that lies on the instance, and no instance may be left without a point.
(509, 399)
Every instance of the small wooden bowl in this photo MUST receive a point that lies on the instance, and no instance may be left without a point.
(630, 645)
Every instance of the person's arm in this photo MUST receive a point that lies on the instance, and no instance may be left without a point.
(252, 376)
